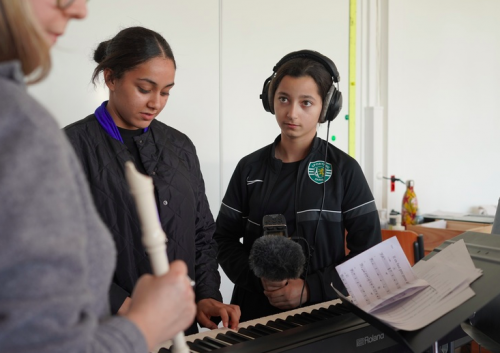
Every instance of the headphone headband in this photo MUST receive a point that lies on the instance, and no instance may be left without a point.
(313, 55)
(333, 99)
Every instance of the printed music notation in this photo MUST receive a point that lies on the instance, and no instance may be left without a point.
(379, 276)
(382, 282)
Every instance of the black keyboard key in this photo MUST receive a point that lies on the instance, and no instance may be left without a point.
(225, 338)
(205, 344)
(287, 323)
(249, 333)
(215, 342)
(319, 314)
(334, 309)
(194, 347)
(277, 325)
(237, 336)
(303, 318)
(258, 331)
(342, 308)
(309, 317)
(296, 320)
(326, 312)
(266, 328)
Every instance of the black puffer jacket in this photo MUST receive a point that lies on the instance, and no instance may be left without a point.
(169, 157)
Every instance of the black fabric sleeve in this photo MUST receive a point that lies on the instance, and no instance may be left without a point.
(206, 267)
(231, 223)
(359, 212)
(117, 296)
(363, 233)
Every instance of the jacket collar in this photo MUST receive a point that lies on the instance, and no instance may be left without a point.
(276, 163)
(11, 70)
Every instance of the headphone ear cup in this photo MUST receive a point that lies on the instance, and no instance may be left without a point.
(264, 96)
(326, 104)
(333, 107)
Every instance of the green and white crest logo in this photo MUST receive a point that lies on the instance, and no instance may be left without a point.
(317, 172)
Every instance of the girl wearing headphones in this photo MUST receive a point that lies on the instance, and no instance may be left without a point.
(56, 255)
(139, 70)
(320, 201)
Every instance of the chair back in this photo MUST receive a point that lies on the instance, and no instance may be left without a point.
(411, 243)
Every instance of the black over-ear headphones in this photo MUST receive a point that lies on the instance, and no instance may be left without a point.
(333, 100)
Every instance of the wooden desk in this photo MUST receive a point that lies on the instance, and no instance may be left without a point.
(433, 237)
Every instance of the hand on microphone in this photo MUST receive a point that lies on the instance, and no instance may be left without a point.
(270, 286)
(288, 296)
(279, 261)
(276, 258)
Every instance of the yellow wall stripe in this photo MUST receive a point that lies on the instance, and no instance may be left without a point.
(352, 78)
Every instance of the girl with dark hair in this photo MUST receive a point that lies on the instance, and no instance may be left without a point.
(139, 70)
(56, 255)
(320, 199)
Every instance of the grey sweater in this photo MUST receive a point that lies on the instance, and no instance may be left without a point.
(56, 256)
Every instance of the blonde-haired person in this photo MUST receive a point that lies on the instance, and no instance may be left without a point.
(22, 39)
(56, 256)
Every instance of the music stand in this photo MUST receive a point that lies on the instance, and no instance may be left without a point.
(484, 325)
(496, 221)
(485, 253)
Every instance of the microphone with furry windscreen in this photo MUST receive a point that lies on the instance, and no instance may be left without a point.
(274, 256)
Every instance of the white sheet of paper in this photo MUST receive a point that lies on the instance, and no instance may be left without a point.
(379, 276)
(449, 276)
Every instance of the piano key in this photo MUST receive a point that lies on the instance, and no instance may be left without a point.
(196, 348)
(342, 308)
(205, 344)
(250, 333)
(266, 328)
(258, 331)
(164, 350)
(286, 323)
(278, 325)
(335, 309)
(297, 319)
(225, 338)
(325, 311)
(309, 317)
(237, 336)
(319, 314)
(214, 341)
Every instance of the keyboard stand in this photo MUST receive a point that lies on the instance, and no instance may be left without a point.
(484, 250)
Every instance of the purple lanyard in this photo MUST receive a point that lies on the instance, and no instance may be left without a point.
(107, 122)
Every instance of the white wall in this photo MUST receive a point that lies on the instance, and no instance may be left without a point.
(255, 36)
(192, 30)
(442, 106)
(443, 102)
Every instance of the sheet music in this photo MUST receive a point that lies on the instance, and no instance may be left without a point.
(380, 276)
(449, 274)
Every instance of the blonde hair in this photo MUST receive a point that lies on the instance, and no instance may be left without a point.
(21, 39)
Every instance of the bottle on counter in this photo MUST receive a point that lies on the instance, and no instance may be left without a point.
(395, 221)
(409, 209)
